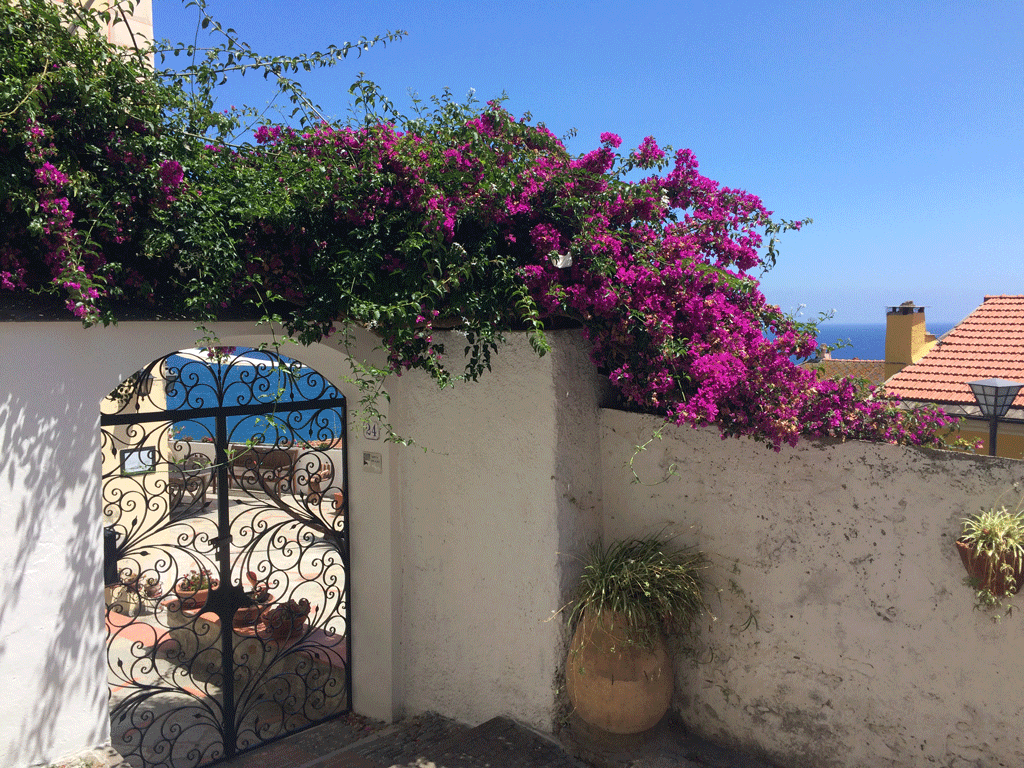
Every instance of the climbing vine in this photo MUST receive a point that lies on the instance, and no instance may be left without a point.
(122, 185)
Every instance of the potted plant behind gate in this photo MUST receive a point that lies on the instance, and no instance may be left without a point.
(991, 547)
(632, 594)
(193, 588)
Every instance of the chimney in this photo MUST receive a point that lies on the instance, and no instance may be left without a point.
(906, 339)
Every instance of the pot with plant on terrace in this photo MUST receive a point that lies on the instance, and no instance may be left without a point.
(632, 594)
(256, 599)
(193, 588)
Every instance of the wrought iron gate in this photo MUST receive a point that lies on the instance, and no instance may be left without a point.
(227, 555)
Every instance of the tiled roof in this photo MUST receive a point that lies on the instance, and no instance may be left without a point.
(872, 370)
(988, 343)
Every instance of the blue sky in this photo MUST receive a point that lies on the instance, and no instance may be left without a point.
(897, 126)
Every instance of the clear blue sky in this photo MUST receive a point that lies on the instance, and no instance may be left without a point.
(897, 126)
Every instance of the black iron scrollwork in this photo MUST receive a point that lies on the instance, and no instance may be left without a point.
(224, 488)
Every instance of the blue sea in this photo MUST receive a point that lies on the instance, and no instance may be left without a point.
(866, 340)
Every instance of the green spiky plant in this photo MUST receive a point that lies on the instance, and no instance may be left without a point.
(996, 539)
(650, 586)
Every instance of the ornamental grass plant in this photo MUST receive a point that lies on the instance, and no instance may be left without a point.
(649, 586)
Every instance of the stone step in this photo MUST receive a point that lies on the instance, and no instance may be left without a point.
(498, 743)
(404, 742)
(503, 743)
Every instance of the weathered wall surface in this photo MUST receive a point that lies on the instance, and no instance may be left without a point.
(505, 479)
(845, 635)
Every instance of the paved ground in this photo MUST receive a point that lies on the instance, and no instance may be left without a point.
(356, 742)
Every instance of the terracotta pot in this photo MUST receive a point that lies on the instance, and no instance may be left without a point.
(250, 615)
(613, 685)
(281, 622)
(246, 617)
(193, 600)
(987, 574)
(281, 630)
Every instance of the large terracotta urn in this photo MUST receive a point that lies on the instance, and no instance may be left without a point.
(613, 685)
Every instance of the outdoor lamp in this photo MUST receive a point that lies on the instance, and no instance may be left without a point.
(170, 381)
(994, 397)
(139, 384)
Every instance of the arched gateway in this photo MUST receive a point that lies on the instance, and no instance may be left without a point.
(226, 564)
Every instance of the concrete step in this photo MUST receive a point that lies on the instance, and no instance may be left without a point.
(498, 743)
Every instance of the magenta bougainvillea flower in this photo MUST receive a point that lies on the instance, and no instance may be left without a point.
(462, 218)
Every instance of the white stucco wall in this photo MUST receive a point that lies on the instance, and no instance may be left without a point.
(460, 552)
(51, 592)
(866, 649)
(503, 482)
(52, 636)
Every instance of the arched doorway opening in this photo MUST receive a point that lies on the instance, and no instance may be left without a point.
(225, 512)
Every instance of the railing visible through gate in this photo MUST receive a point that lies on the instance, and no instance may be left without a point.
(227, 555)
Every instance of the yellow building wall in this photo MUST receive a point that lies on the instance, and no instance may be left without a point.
(906, 340)
(131, 29)
(135, 29)
(135, 493)
(1009, 438)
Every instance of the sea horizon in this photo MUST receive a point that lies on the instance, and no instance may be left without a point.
(866, 340)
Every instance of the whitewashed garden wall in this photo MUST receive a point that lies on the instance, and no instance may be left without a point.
(52, 636)
(455, 546)
(502, 488)
(865, 648)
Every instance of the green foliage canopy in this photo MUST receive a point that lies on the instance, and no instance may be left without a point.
(121, 188)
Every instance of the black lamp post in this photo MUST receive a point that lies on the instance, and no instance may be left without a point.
(994, 397)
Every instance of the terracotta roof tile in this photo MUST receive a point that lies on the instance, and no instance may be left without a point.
(988, 343)
(872, 370)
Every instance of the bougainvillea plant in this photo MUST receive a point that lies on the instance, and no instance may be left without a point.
(119, 186)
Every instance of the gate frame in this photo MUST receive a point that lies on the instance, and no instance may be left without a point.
(226, 598)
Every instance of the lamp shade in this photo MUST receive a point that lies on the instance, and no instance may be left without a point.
(994, 396)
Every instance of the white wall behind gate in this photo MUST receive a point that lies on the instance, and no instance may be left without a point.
(52, 636)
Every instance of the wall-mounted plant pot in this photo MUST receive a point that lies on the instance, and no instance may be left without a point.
(986, 574)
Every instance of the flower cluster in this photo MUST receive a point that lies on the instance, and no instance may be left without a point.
(59, 240)
(462, 217)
